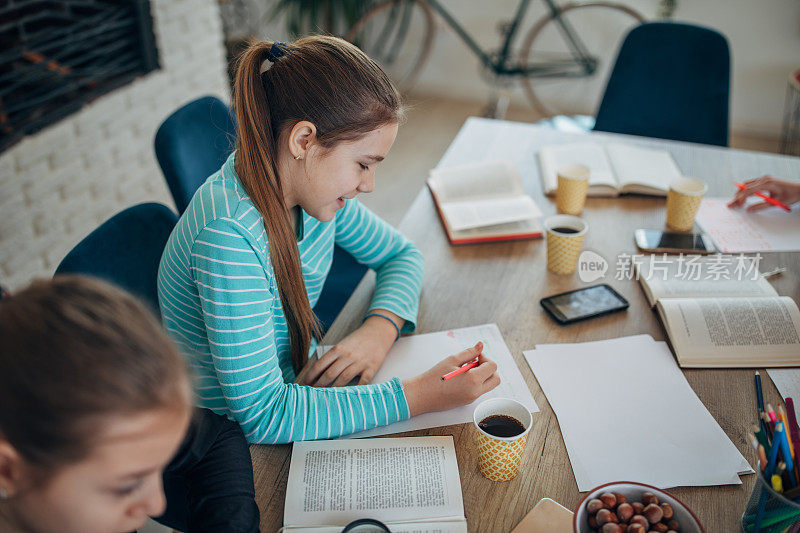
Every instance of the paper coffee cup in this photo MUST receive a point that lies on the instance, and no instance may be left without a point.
(683, 201)
(573, 183)
(499, 458)
(564, 247)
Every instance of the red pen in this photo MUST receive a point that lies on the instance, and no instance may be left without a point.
(766, 198)
(461, 370)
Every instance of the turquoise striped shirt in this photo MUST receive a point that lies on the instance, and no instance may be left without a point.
(220, 303)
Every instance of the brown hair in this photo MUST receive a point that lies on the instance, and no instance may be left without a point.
(74, 350)
(330, 83)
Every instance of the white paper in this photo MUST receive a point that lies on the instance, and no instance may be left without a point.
(408, 480)
(787, 380)
(411, 356)
(627, 413)
(737, 231)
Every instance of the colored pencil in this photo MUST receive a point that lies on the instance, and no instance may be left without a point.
(794, 431)
(785, 420)
(460, 371)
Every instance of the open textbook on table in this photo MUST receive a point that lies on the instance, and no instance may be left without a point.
(410, 484)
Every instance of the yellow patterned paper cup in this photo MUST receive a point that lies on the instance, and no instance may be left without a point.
(499, 458)
(573, 184)
(564, 234)
(683, 201)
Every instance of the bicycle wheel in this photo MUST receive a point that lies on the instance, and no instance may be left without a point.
(398, 35)
(563, 85)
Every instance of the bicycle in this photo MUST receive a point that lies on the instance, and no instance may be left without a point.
(554, 63)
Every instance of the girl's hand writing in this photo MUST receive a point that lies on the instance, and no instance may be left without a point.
(427, 392)
(783, 191)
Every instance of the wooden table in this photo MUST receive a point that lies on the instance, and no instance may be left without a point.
(503, 282)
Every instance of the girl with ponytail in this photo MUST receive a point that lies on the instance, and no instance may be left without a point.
(247, 261)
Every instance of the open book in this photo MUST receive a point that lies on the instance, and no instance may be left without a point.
(614, 168)
(722, 316)
(410, 484)
(483, 202)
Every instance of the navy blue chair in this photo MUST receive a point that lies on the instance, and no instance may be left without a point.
(670, 81)
(193, 143)
(126, 250)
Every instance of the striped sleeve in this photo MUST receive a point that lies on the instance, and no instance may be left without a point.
(396, 260)
(237, 302)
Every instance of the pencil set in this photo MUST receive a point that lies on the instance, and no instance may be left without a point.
(776, 440)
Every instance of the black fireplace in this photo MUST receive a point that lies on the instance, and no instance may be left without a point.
(55, 56)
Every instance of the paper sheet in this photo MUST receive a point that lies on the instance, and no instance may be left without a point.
(787, 380)
(410, 356)
(627, 413)
(403, 480)
(737, 231)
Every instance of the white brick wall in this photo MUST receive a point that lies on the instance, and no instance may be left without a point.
(60, 184)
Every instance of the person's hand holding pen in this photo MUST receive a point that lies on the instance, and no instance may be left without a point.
(786, 192)
(429, 392)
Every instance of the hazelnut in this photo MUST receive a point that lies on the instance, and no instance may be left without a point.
(669, 512)
(637, 507)
(648, 498)
(594, 505)
(653, 513)
(659, 528)
(603, 516)
(641, 520)
(674, 525)
(610, 528)
(620, 498)
(624, 512)
(637, 528)
(609, 500)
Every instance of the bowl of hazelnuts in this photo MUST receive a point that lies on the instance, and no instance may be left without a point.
(628, 507)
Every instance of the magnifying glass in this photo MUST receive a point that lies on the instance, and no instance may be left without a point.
(366, 525)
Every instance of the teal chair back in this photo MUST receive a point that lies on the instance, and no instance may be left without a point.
(125, 250)
(670, 81)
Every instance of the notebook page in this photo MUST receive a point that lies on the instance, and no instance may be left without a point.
(642, 166)
(736, 230)
(415, 354)
(591, 155)
(411, 479)
(594, 388)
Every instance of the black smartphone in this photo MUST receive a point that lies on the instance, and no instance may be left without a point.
(581, 304)
(650, 240)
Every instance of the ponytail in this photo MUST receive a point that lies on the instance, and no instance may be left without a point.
(256, 158)
(330, 83)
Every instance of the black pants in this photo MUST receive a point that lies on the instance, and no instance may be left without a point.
(209, 482)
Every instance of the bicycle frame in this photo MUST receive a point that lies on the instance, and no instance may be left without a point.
(502, 65)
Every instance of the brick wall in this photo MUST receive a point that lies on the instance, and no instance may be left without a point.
(60, 184)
